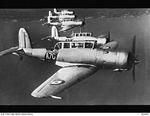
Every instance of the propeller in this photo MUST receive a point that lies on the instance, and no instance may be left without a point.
(108, 37)
(83, 23)
(133, 60)
(84, 20)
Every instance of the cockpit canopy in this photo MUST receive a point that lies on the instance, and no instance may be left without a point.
(82, 34)
(62, 45)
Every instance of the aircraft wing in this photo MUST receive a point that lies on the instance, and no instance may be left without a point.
(62, 79)
(9, 51)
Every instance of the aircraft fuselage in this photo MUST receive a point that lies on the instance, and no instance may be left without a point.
(100, 58)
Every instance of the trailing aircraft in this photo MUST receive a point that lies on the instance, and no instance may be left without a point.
(62, 12)
(76, 63)
(65, 24)
(102, 41)
(59, 17)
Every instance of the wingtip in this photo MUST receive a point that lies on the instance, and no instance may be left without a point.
(37, 94)
(34, 94)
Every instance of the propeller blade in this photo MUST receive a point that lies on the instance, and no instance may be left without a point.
(83, 21)
(133, 57)
(108, 36)
(133, 73)
(83, 24)
(133, 45)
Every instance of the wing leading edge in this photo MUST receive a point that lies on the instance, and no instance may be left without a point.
(62, 79)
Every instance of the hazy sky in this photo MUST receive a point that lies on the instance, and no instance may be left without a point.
(20, 78)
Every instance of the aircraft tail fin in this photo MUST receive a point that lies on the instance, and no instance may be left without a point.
(49, 17)
(49, 20)
(50, 13)
(24, 42)
(23, 38)
(54, 32)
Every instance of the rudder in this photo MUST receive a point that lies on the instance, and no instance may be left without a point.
(54, 32)
(23, 38)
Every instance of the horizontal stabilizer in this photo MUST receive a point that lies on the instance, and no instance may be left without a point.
(9, 51)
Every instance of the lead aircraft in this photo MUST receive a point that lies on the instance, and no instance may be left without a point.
(77, 63)
(65, 19)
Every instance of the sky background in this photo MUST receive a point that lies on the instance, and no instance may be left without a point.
(20, 78)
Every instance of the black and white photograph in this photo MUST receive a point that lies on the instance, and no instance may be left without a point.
(75, 56)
